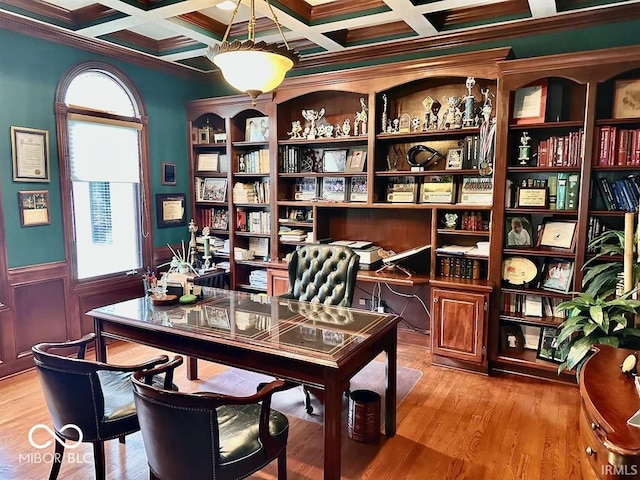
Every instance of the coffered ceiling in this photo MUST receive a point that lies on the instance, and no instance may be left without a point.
(322, 31)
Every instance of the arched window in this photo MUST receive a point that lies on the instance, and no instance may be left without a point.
(102, 140)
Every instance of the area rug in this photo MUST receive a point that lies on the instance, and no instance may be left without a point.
(238, 382)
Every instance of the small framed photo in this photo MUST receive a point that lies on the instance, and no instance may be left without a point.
(334, 188)
(214, 190)
(532, 197)
(511, 339)
(518, 232)
(171, 210)
(34, 208)
(257, 129)
(454, 158)
(548, 347)
(208, 162)
(557, 275)
(529, 103)
(356, 160)
(358, 189)
(30, 153)
(626, 99)
(334, 160)
(168, 173)
(558, 234)
(220, 220)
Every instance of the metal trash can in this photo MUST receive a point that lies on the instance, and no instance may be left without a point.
(363, 421)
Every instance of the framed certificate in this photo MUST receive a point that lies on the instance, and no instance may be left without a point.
(171, 210)
(30, 152)
(529, 103)
(34, 208)
(532, 197)
(558, 234)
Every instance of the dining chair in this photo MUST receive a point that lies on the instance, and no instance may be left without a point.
(88, 401)
(207, 435)
(324, 274)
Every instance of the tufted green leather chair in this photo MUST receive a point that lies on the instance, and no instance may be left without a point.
(207, 435)
(95, 397)
(323, 274)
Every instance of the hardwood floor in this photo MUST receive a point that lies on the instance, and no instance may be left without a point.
(452, 425)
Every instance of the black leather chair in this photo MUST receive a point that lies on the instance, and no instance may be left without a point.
(96, 397)
(207, 435)
(322, 274)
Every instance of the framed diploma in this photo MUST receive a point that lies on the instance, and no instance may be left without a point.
(30, 152)
(532, 197)
(34, 208)
(529, 103)
(171, 210)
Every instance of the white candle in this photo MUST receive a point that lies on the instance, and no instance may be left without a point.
(207, 247)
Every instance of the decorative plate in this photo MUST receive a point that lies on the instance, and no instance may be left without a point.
(519, 270)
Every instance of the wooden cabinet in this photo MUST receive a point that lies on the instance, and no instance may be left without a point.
(277, 279)
(459, 327)
(609, 447)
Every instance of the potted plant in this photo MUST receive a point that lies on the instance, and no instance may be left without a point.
(598, 315)
(179, 262)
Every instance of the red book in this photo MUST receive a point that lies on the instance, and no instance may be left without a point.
(635, 159)
(623, 146)
(613, 148)
(603, 150)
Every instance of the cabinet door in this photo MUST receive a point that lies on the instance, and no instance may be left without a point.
(277, 282)
(459, 320)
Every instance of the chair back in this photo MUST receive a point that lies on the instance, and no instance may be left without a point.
(72, 392)
(324, 274)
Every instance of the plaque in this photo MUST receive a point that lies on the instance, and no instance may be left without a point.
(533, 197)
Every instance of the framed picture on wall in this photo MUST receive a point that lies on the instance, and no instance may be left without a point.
(529, 103)
(168, 174)
(34, 208)
(171, 210)
(30, 154)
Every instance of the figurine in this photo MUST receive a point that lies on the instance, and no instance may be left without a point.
(193, 248)
(338, 130)
(296, 128)
(469, 101)
(346, 127)
(383, 122)
(524, 149)
(452, 104)
(415, 124)
(361, 118)
(312, 116)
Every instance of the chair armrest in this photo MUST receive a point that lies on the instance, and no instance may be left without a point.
(149, 364)
(80, 344)
(264, 393)
(146, 376)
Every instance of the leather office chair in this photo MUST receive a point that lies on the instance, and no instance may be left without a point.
(322, 274)
(207, 435)
(96, 397)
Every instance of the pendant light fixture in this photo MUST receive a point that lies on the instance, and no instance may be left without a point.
(251, 67)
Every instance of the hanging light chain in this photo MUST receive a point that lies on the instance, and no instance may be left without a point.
(275, 20)
(251, 27)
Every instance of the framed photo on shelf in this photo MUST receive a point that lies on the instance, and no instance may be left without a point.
(257, 129)
(358, 189)
(171, 210)
(208, 162)
(34, 208)
(557, 274)
(220, 219)
(558, 234)
(30, 153)
(529, 103)
(626, 98)
(214, 190)
(518, 232)
(455, 157)
(334, 161)
(511, 339)
(334, 188)
(168, 173)
(356, 160)
(532, 197)
(548, 347)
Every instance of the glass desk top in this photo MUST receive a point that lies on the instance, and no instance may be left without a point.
(289, 326)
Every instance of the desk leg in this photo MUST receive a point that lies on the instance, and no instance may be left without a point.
(101, 346)
(332, 427)
(192, 368)
(390, 392)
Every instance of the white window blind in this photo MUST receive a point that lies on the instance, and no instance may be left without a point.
(100, 152)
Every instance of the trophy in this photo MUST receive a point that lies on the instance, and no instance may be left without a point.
(312, 116)
(450, 220)
(383, 121)
(452, 103)
(524, 149)
(469, 101)
(427, 103)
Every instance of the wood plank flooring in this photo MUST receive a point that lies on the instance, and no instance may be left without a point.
(453, 425)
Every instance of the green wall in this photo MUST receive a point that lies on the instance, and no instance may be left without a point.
(30, 70)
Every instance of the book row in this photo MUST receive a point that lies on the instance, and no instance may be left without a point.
(254, 162)
(215, 218)
(559, 191)
(253, 222)
(618, 146)
(255, 192)
(456, 267)
(531, 305)
(622, 194)
(561, 150)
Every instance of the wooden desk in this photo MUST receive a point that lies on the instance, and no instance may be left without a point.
(610, 448)
(320, 346)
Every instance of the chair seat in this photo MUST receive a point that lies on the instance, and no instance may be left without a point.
(238, 426)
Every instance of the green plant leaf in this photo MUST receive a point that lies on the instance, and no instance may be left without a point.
(568, 330)
(595, 312)
(579, 351)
